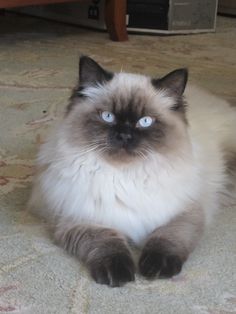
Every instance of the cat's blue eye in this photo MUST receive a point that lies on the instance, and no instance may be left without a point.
(145, 122)
(108, 116)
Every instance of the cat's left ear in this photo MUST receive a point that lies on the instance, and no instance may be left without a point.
(91, 73)
(174, 82)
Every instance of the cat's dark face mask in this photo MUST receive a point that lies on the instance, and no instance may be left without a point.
(134, 132)
(124, 126)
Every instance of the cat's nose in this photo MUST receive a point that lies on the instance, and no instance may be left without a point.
(125, 137)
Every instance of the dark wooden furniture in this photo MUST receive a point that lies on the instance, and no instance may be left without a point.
(115, 14)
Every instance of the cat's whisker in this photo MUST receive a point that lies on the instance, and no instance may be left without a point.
(85, 152)
(97, 148)
(79, 154)
(141, 154)
(150, 149)
(90, 145)
(102, 150)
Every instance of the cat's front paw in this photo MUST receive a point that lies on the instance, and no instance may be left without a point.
(154, 262)
(114, 270)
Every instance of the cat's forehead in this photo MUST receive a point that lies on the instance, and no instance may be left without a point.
(131, 85)
(123, 86)
(133, 92)
(127, 93)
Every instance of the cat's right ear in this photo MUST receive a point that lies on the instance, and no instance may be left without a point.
(91, 73)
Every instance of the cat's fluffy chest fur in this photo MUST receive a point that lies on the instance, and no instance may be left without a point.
(134, 200)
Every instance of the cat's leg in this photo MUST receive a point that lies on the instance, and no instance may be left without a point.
(104, 251)
(169, 246)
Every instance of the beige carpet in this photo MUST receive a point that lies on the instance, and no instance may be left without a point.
(38, 67)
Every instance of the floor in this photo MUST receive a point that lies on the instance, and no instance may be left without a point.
(38, 68)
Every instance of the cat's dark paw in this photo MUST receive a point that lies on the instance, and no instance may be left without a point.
(114, 270)
(154, 263)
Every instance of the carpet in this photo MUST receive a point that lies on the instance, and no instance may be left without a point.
(38, 68)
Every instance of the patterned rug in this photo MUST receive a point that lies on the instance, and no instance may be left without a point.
(38, 68)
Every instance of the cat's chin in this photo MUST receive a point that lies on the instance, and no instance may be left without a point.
(122, 156)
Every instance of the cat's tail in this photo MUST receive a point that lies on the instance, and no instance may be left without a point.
(228, 129)
(227, 136)
(214, 123)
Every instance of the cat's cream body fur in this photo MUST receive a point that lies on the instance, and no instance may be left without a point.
(138, 197)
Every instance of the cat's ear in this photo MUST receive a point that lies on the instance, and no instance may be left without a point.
(91, 73)
(174, 82)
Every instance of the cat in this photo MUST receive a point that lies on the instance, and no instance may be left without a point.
(136, 161)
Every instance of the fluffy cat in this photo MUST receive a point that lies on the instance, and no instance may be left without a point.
(134, 161)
